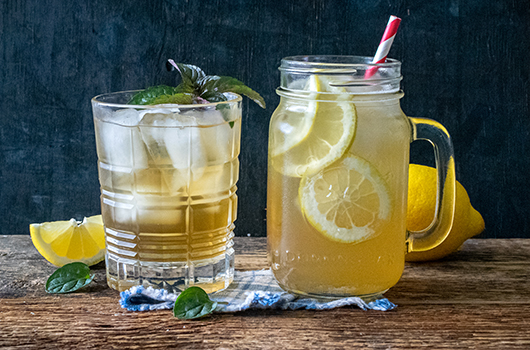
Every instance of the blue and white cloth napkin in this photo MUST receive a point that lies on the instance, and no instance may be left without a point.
(250, 290)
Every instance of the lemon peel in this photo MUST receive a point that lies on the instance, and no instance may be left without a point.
(420, 212)
(316, 135)
(63, 242)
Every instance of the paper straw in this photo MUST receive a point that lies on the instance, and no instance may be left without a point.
(384, 45)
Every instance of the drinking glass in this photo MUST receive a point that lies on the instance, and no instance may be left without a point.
(168, 177)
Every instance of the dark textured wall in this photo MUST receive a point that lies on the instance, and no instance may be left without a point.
(465, 64)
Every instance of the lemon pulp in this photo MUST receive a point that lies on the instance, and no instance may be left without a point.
(63, 242)
(346, 201)
(315, 134)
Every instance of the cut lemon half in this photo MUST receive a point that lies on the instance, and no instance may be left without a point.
(63, 242)
(347, 201)
(311, 135)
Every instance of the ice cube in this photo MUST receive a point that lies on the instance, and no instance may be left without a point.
(126, 117)
(173, 140)
(217, 180)
(118, 140)
(215, 133)
(162, 117)
(221, 142)
(208, 116)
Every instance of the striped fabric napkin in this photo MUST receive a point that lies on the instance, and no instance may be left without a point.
(250, 290)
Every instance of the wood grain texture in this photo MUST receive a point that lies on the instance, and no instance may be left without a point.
(477, 298)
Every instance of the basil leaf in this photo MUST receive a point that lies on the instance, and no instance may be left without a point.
(147, 96)
(190, 77)
(193, 303)
(214, 85)
(200, 87)
(223, 108)
(180, 98)
(69, 278)
(215, 97)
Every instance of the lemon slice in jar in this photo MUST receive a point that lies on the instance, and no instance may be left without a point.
(293, 123)
(313, 134)
(63, 242)
(346, 201)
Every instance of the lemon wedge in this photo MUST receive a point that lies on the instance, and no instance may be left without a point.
(314, 134)
(63, 242)
(346, 201)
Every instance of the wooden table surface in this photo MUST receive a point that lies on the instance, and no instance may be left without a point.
(477, 298)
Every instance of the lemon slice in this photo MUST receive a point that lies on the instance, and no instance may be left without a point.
(293, 123)
(347, 201)
(63, 242)
(313, 135)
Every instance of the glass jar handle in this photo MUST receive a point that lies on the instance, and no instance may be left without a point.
(435, 234)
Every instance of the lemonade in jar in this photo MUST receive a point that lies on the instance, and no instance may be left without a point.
(338, 174)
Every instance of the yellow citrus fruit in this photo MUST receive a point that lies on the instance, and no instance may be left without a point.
(294, 123)
(310, 136)
(420, 212)
(63, 242)
(346, 201)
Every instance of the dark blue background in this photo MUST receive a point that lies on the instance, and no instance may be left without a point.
(465, 64)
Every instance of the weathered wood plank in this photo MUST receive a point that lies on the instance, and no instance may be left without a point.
(81, 324)
(476, 298)
(24, 270)
(484, 271)
(492, 271)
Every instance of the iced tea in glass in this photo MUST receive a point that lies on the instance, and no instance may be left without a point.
(168, 177)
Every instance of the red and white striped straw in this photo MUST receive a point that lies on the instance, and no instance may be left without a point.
(384, 45)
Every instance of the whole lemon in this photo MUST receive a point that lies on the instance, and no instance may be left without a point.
(420, 212)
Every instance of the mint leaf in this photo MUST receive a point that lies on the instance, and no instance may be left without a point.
(147, 96)
(190, 76)
(214, 85)
(193, 303)
(180, 98)
(198, 86)
(69, 278)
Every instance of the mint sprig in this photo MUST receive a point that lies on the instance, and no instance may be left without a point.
(195, 88)
(145, 97)
(191, 76)
(214, 86)
(181, 98)
(193, 303)
(69, 278)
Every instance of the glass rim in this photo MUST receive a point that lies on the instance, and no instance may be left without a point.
(361, 97)
(96, 99)
(310, 63)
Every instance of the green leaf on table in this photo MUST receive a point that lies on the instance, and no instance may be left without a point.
(193, 303)
(69, 278)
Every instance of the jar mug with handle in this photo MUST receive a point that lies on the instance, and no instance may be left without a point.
(338, 174)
